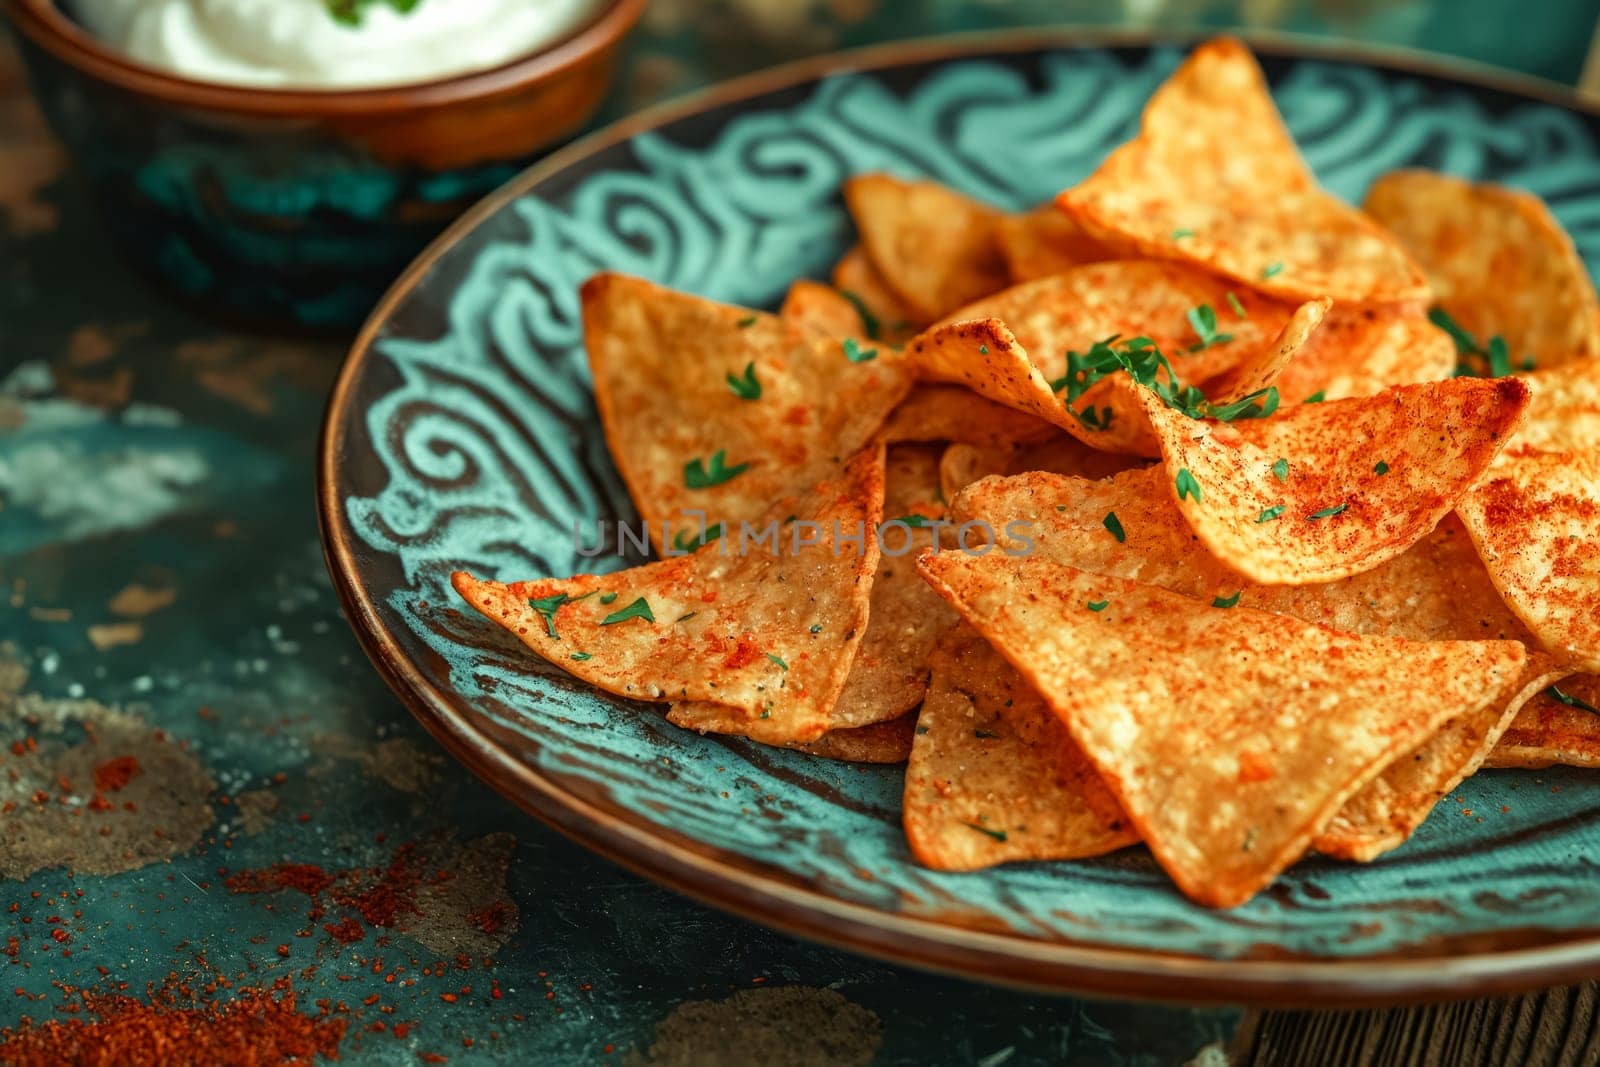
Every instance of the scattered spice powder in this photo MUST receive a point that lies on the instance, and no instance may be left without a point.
(307, 878)
(444, 895)
(494, 918)
(113, 775)
(345, 931)
(392, 895)
(175, 1027)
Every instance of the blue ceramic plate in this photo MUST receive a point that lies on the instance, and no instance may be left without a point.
(462, 434)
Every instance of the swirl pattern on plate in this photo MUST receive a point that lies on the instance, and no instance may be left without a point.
(478, 409)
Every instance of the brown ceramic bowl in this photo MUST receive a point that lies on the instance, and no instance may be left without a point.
(300, 204)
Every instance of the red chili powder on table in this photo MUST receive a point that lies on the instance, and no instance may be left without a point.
(115, 774)
(380, 896)
(260, 1026)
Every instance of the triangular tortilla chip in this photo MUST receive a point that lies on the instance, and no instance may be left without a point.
(984, 356)
(1535, 516)
(1229, 736)
(987, 357)
(935, 248)
(1555, 729)
(1384, 813)
(1322, 491)
(1127, 526)
(882, 742)
(767, 630)
(884, 316)
(1361, 351)
(890, 672)
(1536, 521)
(953, 413)
(994, 776)
(1045, 241)
(1564, 415)
(721, 410)
(1213, 178)
(1498, 262)
(962, 464)
(822, 310)
(1141, 298)
(1263, 366)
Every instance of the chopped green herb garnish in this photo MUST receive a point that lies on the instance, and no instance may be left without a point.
(1227, 601)
(1238, 308)
(547, 606)
(1327, 513)
(686, 541)
(1316, 398)
(698, 475)
(1280, 470)
(987, 735)
(816, 627)
(1499, 358)
(606, 598)
(1203, 319)
(352, 12)
(1473, 360)
(983, 350)
(581, 656)
(921, 730)
(1571, 701)
(779, 661)
(1187, 486)
(913, 520)
(869, 321)
(1149, 367)
(1114, 524)
(1381, 468)
(1258, 405)
(1466, 344)
(1268, 514)
(745, 324)
(1098, 605)
(1272, 270)
(745, 386)
(1178, 235)
(639, 609)
(998, 835)
(685, 617)
(1093, 419)
(856, 354)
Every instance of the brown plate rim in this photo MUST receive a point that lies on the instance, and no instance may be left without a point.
(999, 958)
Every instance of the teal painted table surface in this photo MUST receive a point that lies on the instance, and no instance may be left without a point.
(205, 790)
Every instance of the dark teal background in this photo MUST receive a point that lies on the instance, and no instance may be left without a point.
(691, 42)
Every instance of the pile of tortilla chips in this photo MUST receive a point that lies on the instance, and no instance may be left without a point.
(1195, 509)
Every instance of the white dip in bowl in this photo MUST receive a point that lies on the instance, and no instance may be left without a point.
(323, 44)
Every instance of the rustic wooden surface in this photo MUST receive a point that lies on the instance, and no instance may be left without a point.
(1550, 1028)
